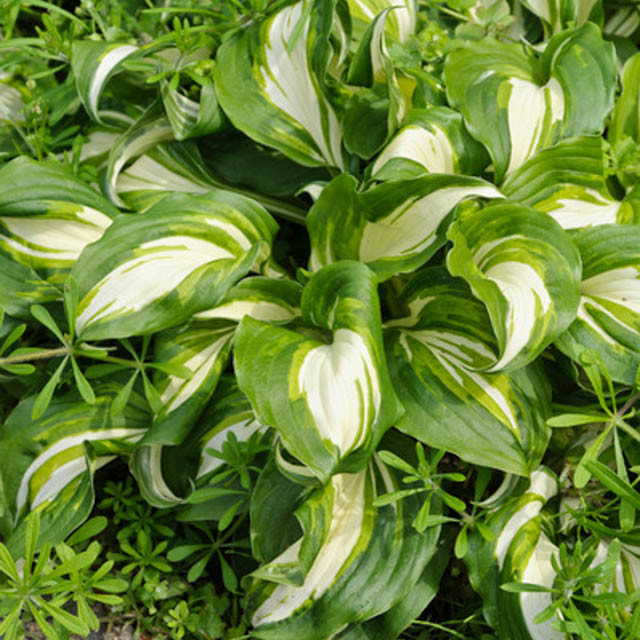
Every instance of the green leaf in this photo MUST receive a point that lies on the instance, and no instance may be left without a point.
(436, 358)
(46, 393)
(516, 104)
(525, 269)
(526, 587)
(83, 385)
(608, 321)
(347, 579)
(201, 244)
(582, 474)
(89, 529)
(289, 377)
(44, 317)
(574, 419)
(614, 483)
(276, 96)
(394, 227)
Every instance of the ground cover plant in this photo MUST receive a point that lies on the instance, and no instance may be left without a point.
(320, 319)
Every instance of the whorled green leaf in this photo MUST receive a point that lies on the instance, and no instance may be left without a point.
(394, 227)
(557, 15)
(154, 270)
(327, 390)
(433, 140)
(355, 563)
(400, 25)
(519, 552)
(567, 181)
(47, 215)
(515, 103)
(608, 318)
(93, 63)
(270, 83)
(525, 269)
(46, 460)
(436, 356)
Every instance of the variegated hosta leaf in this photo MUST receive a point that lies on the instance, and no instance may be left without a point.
(394, 227)
(167, 474)
(556, 15)
(567, 181)
(627, 575)
(269, 81)
(623, 22)
(394, 621)
(434, 140)
(516, 104)
(151, 128)
(491, 419)
(93, 63)
(608, 318)
(47, 215)
(268, 299)
(519, 552)
(203, 346)
(353, 562)
(375, 110)
(191, 119)
(45, 462)
(163, 169)
(326, 391)
(154, 270)
(21, 287)
(523, 266)
(400, 25)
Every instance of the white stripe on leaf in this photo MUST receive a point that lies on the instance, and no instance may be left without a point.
(288, 83)
(341, 387)
(412, 227)
(344, 531)
(432, 149)
(101, 74)
(165, 263)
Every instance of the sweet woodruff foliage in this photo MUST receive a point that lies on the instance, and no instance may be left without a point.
(281, 256)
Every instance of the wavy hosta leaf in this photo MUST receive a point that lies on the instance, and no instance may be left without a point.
(375, 110)
(394, 621)
(166, 475)
(394, 227)
(519, 552)
(567, 181)
(434, 140)
(47, 215)
(495, 420)
(524, 268)
(191, 119)
(331, 402)
(151, 128)
(93, 63)
(266, 299)
(45, 461)
(608, 318)
(154, 270)
(623, 22)
(516, 104)
(401, 24)
(273, 91)
(627, 574)
(559, 14)
(363, 562)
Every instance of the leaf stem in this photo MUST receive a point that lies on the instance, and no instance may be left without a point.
(38, 355)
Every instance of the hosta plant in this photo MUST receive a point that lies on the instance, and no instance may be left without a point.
(349, 288)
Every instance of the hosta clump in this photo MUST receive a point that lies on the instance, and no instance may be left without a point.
(454, 265)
